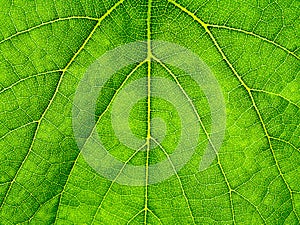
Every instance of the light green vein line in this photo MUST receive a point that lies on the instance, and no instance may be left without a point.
(254, 206)
(55, 92)
(47, 23)
(278, 95)
(99, 118)
(149, 54)
(4, 183)
(260, 119)
(40, 206)
(20, 127)
(181, 186)
(132, 218)
(255, 35)
(205, 131)
(148, 144)
(26, 78)
(159, 220)
(287, 142)
(249, 93)
(111, 184)
(189, 13)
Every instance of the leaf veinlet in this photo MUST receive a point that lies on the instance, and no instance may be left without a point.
(97, 76)
(56, 90)
(63, 71)
(249, 91)
(45, 179)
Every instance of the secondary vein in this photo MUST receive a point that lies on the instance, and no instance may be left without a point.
(46, 23)
(249, 91)
(54, 95)
(254, 35)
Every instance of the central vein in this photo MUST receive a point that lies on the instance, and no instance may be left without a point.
(149, 56)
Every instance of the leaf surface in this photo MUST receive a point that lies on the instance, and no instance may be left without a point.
(251, 48)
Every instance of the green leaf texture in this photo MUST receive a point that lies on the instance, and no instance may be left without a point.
(253, 49)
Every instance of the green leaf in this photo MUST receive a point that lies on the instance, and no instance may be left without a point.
(250, 47)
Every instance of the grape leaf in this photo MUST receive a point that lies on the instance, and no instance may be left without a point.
(250, 47)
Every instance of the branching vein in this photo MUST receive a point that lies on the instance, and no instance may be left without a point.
(249, 91)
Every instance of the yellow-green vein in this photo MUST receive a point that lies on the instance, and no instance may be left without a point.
(249, 91)
(54, 95)
(149, 54)
(26, 78)
(204, 129)
(254, 35)
(98, 120)
(177, 176)
(111, 184)
(47, 23)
